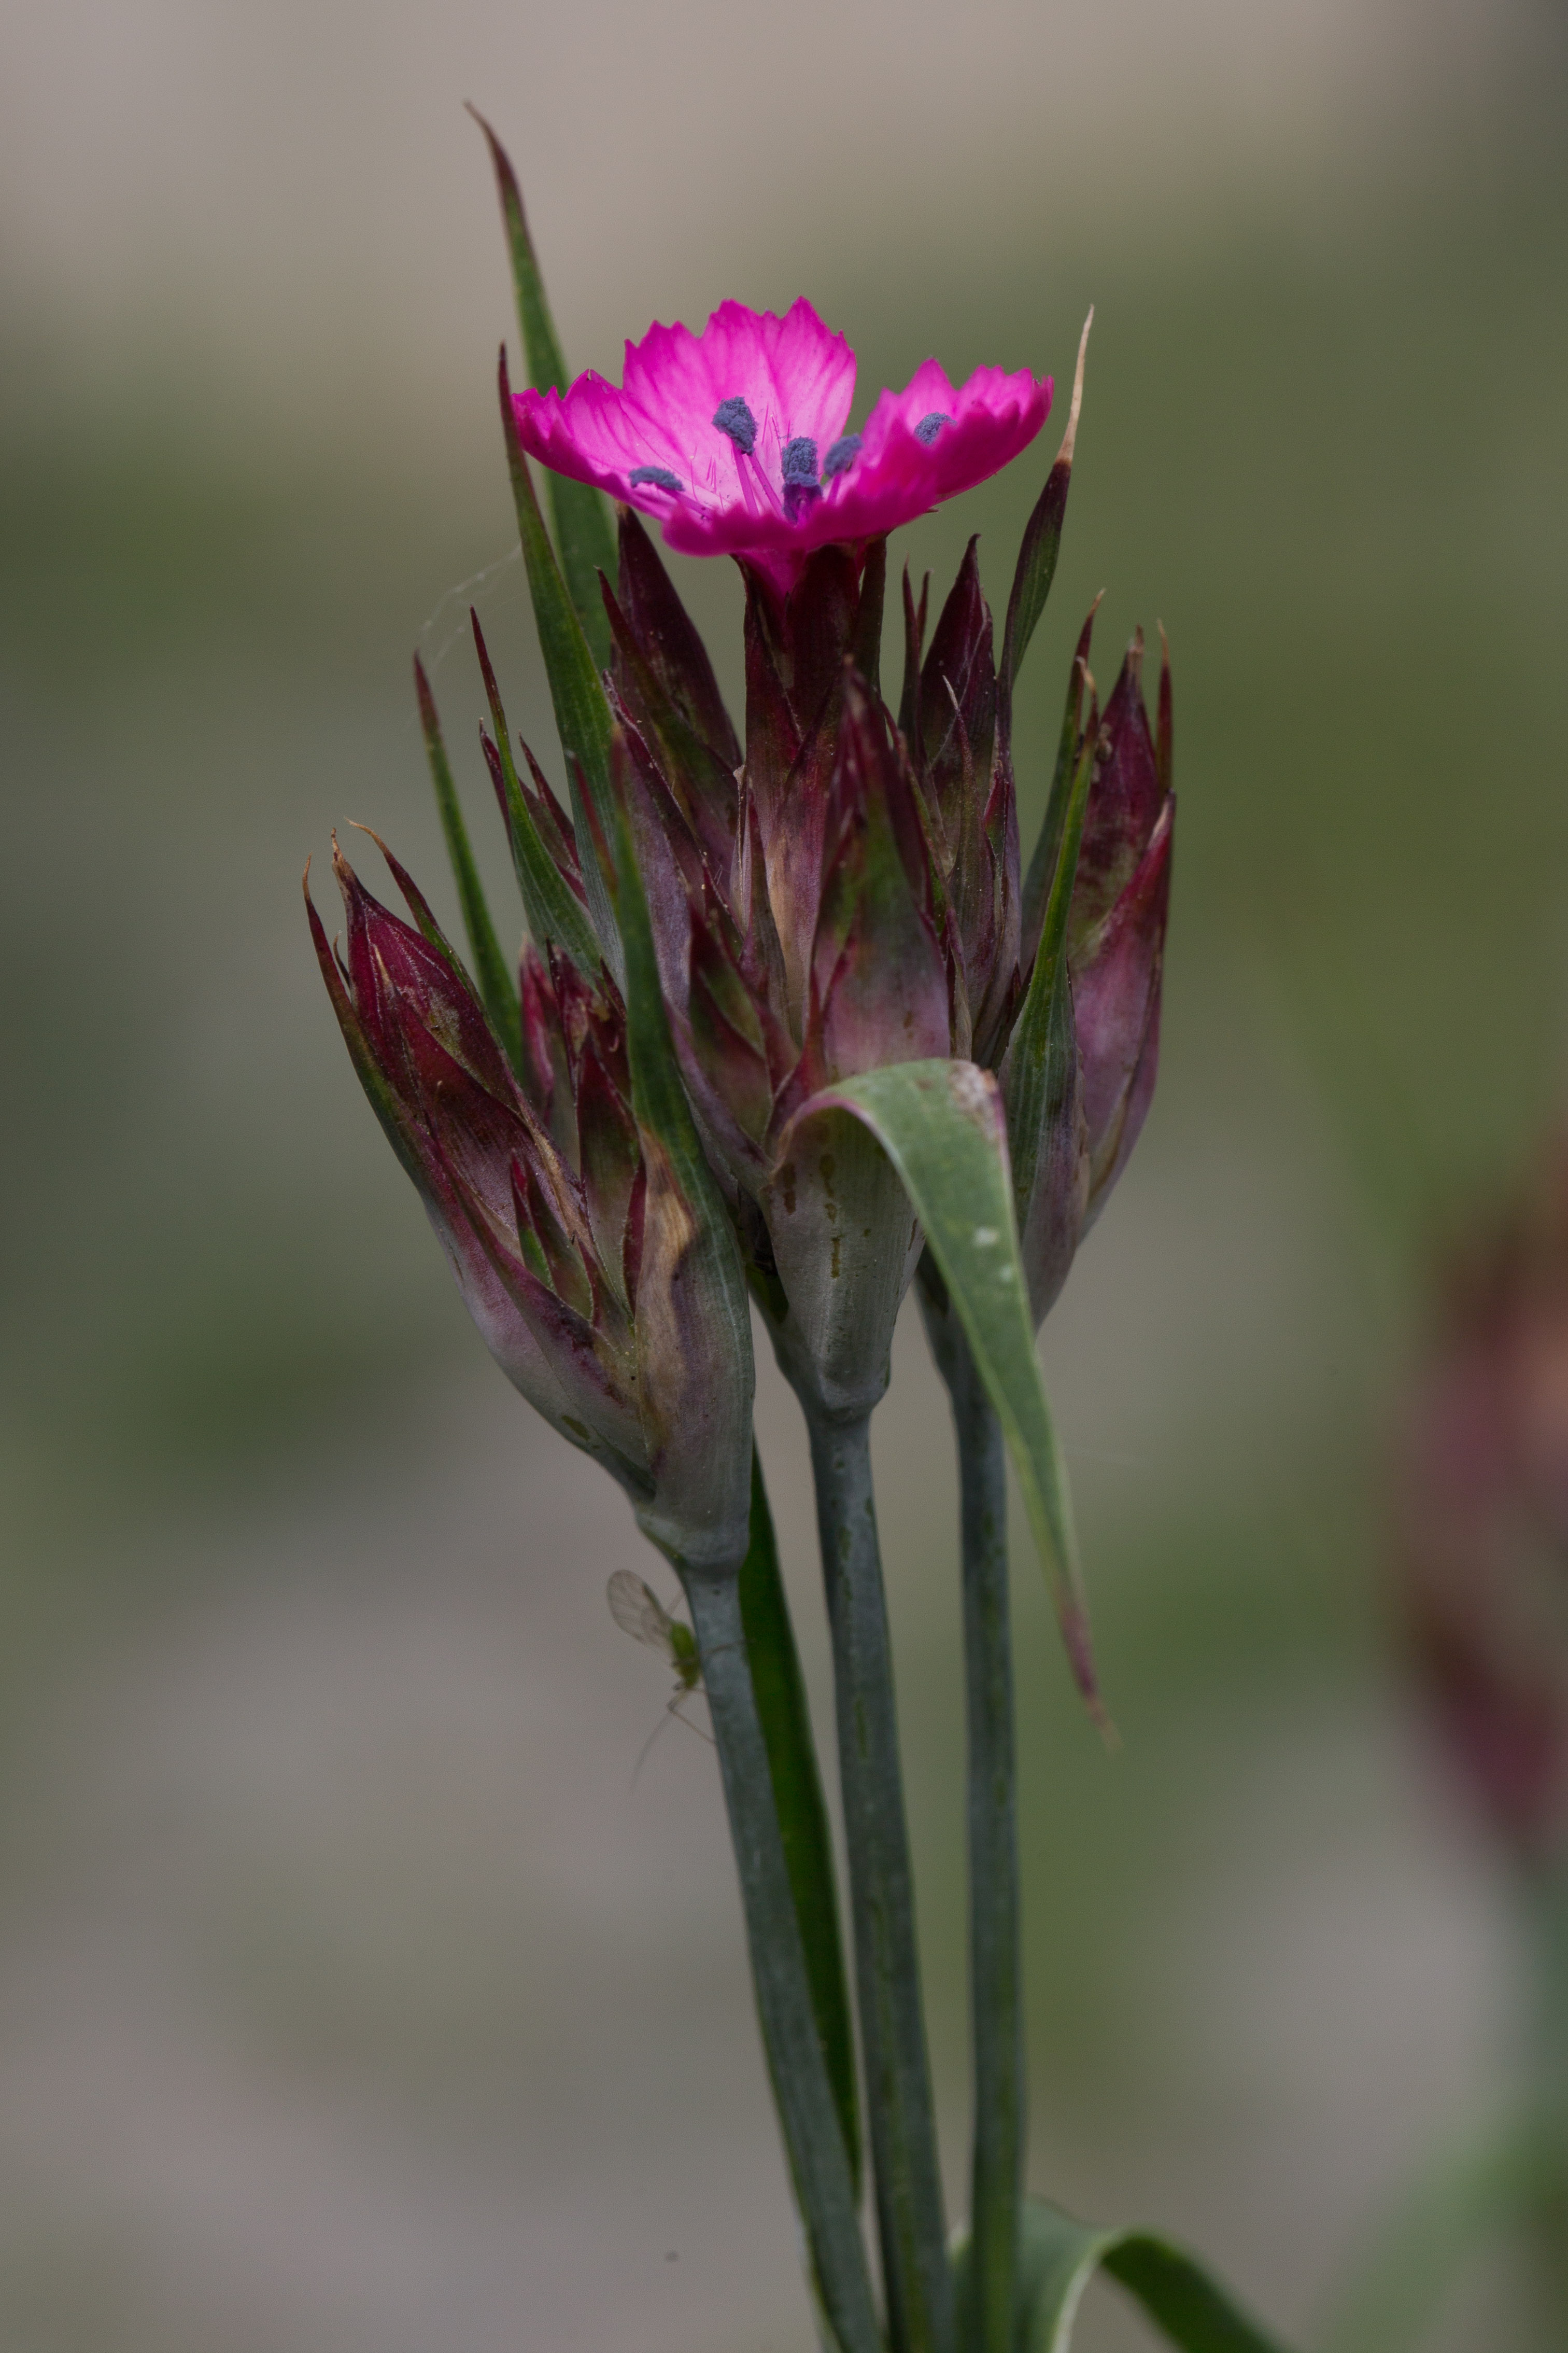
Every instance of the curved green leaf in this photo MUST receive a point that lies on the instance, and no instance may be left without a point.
(798, 1794)
(942, 1126)
(583, 531)
(1059, 2257)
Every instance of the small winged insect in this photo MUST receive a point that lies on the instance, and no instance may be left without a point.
(638, 1612)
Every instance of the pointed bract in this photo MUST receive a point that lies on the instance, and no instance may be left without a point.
(670, 642)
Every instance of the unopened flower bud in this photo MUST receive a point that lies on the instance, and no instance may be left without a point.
(794, 915)
(1078, 1100)
(563, 1221)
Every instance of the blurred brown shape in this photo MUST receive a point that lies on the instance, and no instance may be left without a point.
(1483, 1531)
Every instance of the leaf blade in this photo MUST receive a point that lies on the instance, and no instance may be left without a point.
(581, 710)
(942, 1125)
(583, 531)
(498, 988)
(1060, 2256)
(715, 1305)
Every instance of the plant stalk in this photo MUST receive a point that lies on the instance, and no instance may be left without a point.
(802, 2091)
(990, 2274)
(899, 2110)
(995, 1929)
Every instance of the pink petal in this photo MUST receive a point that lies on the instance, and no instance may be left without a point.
(795, 375)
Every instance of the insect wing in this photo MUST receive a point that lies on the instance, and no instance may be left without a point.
(639, 1612)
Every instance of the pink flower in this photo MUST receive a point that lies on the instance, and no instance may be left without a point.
(735, 440)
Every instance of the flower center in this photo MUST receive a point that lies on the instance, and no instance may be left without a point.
(930, 427)
(841, 455)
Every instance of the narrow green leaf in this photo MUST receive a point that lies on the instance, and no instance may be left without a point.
(705, 1336)
(583, 531)
(798, 1794)
(581, 710)
(497, 985)
(1059, 2257)
(1042, 545)
(942, 1125)
(551, 908)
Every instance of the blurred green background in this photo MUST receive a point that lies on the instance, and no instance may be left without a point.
(349, 1995)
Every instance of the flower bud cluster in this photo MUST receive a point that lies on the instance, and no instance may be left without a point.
(832, 889)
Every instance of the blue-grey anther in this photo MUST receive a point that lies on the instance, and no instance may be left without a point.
(930, 427)
(733, 418)
(841, 455)
(660, 476)
(799, 462)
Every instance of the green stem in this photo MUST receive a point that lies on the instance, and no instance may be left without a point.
(994, 1944)
(996, 1949)
(887, 1965)
(802, 2090)
(785, 1716)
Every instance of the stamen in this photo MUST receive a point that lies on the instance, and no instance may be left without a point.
(732, 416)
(801, 487)
(930, 427)
(841, 455)
(660, 476)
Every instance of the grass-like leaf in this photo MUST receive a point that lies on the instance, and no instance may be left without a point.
(581, 710)
(583, 531)
(498, 984)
